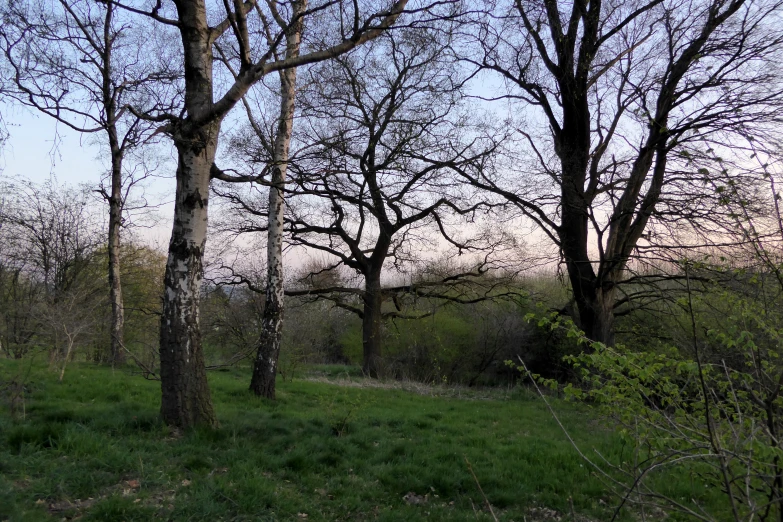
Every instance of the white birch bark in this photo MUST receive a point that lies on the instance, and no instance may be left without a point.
(185, 396)
(265, 367)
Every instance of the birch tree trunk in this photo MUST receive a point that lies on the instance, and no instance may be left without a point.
(186, 399)
(115, 199)
(265, 367)
(115, 286)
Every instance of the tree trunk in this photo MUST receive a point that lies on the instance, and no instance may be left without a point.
(109, 94)
(594, 294)
(596, 312)
(185, 397)
(115, 286)
(265, 367)
(186, 400)
(371, 325)
(67, 356)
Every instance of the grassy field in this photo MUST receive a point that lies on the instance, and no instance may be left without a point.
(92, 448)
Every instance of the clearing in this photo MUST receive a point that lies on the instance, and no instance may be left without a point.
(93, 448)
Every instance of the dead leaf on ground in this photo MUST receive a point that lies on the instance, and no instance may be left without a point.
(67, 505)
(414, 499)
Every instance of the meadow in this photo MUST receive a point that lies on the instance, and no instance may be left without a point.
(332, 447)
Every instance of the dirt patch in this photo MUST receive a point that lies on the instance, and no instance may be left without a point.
(69, 509)
(543, 514)
(454, 392)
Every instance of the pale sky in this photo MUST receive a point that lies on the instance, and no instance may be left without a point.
(38, 148)
(34, 150)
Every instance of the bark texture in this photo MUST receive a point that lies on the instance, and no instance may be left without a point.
(265, 367)
(371, 325)
(186, 399)
(115, 284)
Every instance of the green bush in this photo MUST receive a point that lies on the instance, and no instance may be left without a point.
(710, 407)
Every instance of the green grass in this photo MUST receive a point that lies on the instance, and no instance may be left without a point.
(93, 448)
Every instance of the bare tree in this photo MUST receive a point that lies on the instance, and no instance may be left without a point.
(51, 239)
(264, 367)
(70, 319)
(374, 176)
(19, 294)
(626, 104)
(275, 157)
(78, 63)
(51, 232)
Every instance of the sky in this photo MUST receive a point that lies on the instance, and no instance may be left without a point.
(39, 149)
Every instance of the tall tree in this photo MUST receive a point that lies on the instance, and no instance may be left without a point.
(265, 365)
(273, 152)
(252, 45)
(375, 175)
(75, 62)
(624, 102)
